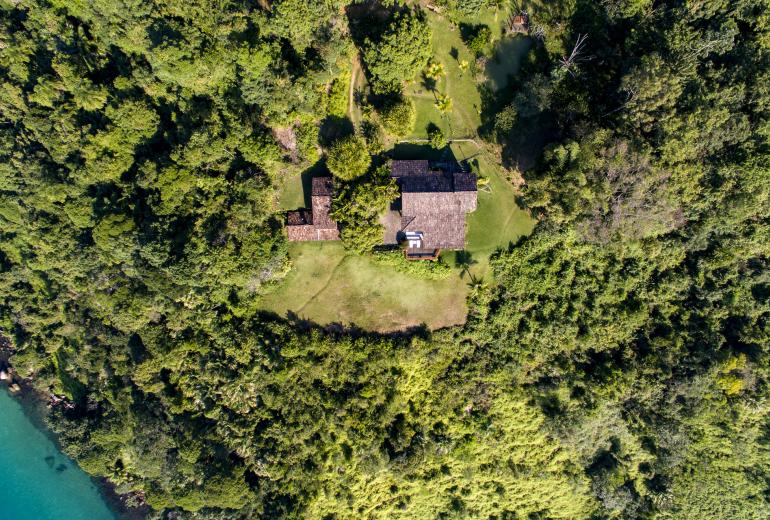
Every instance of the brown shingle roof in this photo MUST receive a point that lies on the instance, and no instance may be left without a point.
(428, 182)
(321, 207)
(301, 233)
(323, 186)
(311, 233)
(439, 231)
(464, 181)
(437, 203)
(304, 225)
(299, 218)
(408, 168)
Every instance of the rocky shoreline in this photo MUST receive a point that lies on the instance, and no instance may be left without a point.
(36, 405)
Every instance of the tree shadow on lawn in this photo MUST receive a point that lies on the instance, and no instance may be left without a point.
(334, 128)
(416, 151)
(338, 329)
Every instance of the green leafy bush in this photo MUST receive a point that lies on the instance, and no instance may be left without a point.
(358, 206)
(478, 38)
(399, 117)
(372, 133)
(436, 137)
(437, 270)
(348, 158)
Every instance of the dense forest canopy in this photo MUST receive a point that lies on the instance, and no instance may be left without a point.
(616, 367)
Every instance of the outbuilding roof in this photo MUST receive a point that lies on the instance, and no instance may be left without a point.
(316, 224)
(322, 186)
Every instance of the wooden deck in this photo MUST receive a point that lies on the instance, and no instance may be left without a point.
(422, 254)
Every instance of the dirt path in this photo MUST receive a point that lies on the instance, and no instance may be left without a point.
(355, 69)
(329, 279)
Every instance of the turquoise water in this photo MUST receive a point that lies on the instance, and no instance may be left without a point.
(38, 482)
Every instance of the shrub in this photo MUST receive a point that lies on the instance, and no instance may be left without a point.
(506, 119)
(337, 97)
(419, 269)
(437, 138)
(399, 117)
(478, 39)
(373, 135)
(307, 141)
(348, 158)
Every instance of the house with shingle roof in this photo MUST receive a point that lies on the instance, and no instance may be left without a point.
(435, 199)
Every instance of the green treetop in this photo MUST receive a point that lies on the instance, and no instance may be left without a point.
(348, 158)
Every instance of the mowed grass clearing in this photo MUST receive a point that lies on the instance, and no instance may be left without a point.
(329, 285)
(464, 118)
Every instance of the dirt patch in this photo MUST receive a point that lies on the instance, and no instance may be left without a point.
(287, 138)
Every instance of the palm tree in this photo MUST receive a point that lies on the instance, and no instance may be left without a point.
(434, 70)
(443, 103)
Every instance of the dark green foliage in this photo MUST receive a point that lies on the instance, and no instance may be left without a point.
(372, 133)
(358, 206)
(399, 52)
(616, 366)
(477, 38)
(348, 158)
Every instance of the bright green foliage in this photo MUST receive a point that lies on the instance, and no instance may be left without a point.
(348, 158)
(512, 466)
(443, 103)
(337, 98)
(615, 366)
(399, 117)
(437, 270)
(399, 53)
(434, 70)
(358, 206)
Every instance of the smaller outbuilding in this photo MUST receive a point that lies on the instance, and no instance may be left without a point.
(315, 224)
(518, 23)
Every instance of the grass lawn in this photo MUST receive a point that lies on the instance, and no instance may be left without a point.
(448, 48)
(498, 221)
(329, 285)
(464, 118)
